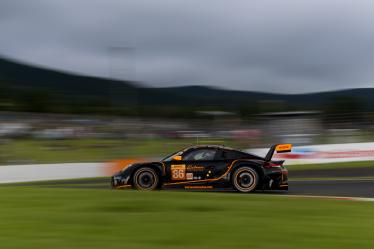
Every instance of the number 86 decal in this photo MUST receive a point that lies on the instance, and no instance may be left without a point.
(178, 172)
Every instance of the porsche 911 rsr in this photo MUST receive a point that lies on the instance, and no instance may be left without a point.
(206, 167)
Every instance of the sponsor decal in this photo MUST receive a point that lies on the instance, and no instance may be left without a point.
(189, 176)
(283, 148)
(195, 168)
(198, 187)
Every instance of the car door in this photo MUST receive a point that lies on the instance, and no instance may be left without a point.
(193, 165)
(202, 164)
(221, 162)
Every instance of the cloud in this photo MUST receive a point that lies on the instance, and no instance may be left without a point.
(273, 46)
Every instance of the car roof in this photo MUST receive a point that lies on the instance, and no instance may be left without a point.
(220, 147)
(214, 147)
(211, 146)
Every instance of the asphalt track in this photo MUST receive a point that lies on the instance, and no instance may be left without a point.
(324, 187)
(339, 172)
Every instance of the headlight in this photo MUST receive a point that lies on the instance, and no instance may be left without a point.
(123, 169)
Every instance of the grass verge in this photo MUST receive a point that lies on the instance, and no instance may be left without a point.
(19, 151)
(32, 217)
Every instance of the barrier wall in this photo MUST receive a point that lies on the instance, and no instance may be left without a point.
(326, 153)
(60, 171)
(41, 172)
(300, 155)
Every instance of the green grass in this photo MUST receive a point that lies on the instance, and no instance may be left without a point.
(32, 217)
(91, 150)
(82, 150)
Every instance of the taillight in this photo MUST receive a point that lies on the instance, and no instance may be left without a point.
(272, 165)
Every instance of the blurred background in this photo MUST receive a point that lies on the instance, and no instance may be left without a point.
(140, 78)
(89, 86)
(52, 116)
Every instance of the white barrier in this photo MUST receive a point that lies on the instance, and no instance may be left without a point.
(41, 172)
(326, 153)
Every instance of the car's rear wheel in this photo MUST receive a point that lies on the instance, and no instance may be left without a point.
(145, 179)
(245, 179)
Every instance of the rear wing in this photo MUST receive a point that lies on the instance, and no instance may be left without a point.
(279, 148)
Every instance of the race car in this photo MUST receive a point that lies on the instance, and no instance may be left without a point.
(208, 167)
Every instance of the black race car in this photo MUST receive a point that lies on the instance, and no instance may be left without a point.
(207, 167)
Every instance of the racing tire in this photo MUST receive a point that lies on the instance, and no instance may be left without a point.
(245, 179)
(145, 179)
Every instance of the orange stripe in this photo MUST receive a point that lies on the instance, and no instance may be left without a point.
(207, 180)
(163, 169)
(123, 186)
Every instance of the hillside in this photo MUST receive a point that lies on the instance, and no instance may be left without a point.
(69, 92)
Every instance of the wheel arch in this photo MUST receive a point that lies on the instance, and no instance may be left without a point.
(255, 165)
(155, 166)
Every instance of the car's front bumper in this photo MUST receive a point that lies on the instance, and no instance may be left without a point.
(119, 181)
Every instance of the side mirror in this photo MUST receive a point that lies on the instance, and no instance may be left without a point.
(177, 158)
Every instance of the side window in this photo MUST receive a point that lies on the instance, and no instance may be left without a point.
(200, 155)
(231, 154)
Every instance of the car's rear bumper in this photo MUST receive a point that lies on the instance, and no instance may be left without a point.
(274, 185)
(276, 180)
(283, 185)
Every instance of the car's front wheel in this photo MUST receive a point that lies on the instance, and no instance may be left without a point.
(245, 179)
(145, 179)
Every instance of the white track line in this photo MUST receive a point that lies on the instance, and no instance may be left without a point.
(347, 198)
(330, 179)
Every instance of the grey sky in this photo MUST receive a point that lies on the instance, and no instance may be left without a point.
(284, 46)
